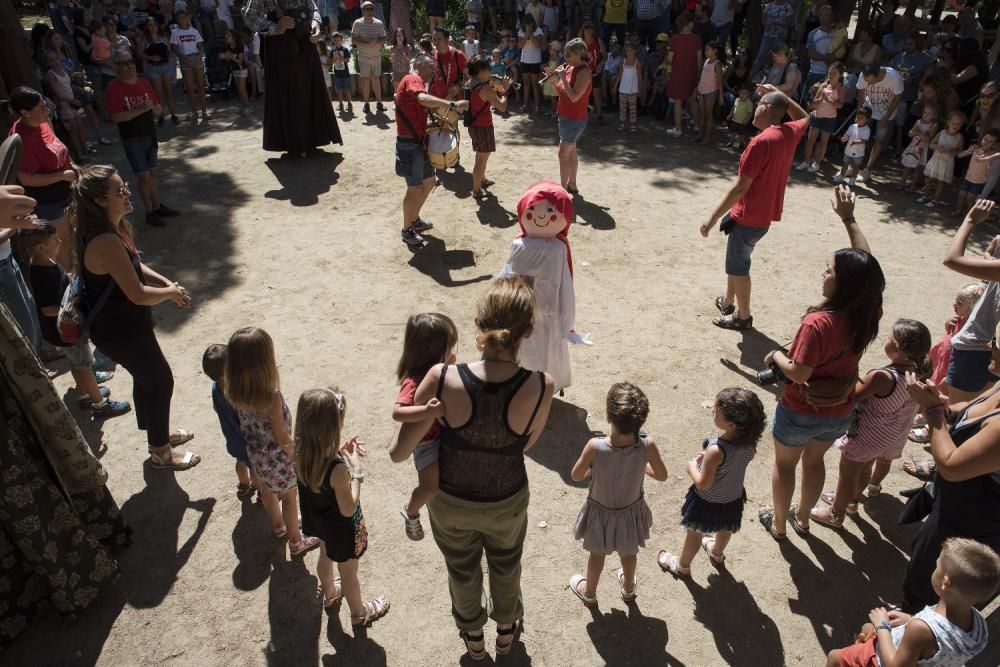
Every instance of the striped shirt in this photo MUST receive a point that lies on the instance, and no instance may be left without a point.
(884, 422)
(728, 483)
(368, 31)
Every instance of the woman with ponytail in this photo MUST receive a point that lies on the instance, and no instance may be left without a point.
(122, 328)
(494, 412)
(883, 414)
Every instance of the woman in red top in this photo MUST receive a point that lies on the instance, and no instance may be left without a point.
(574, 86)
(685, 69)
(595, 61)
(827, 346)
(46, 170)
(481, 98)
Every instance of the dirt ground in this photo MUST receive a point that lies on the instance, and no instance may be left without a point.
(310, 251)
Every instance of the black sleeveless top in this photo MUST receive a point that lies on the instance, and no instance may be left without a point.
(970, 508)
(344, 537)
(483, 459)
(119, 320)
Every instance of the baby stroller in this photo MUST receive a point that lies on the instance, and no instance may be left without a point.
(218, 73)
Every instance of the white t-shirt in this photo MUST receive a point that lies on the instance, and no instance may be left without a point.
(5, 250)
(855, 133)
(471, 49)
(255, 44)
(819, 40)
(880, 94)
(186, 39)
(224, 12)
(531, 54)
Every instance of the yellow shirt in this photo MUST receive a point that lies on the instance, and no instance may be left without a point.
(616, 11)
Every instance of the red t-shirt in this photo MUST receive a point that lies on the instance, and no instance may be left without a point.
(407, 391)
(767, 160)
(479, 109)
(448, 71)
(43, 153)
(122, 96)
(820, 344)
(410, 86)
(566, 107)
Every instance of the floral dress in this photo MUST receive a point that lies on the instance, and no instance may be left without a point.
(271, 463)
(400, 56)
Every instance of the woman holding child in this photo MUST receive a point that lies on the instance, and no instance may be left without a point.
(825, 354)
(496, 411)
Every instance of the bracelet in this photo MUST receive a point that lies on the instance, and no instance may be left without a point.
(884, 625)
(849, 221)
(360, 477)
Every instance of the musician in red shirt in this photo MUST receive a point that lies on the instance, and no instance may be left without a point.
(449, 67)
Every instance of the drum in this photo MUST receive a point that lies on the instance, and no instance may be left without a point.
(442, 147)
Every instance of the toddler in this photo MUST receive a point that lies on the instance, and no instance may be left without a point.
(329, 481)
(941, 167)
(615, 517)
(740, 117)
(430, 338)
(612, 64)
(549, 87)
(915, 155)
(497, 66)
(100, 45)
(711, 87)
(882, 417)
(855, 141)
(470, 45)
(339, 57)
(213, 364)
(252, 386)
(628, 83)
(952, 632)
(714, 503)
(984, 155)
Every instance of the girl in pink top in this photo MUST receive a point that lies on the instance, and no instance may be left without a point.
(828, 99)
(983, 154)
(710, 88)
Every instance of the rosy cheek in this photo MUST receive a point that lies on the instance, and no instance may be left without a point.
(552, 218)
(528, 215)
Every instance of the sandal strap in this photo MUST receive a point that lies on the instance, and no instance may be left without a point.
(511, 630)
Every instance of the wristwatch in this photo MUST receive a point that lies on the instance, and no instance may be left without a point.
(451, 105)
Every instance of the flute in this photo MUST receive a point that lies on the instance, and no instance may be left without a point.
(498, 84)
(555, 72)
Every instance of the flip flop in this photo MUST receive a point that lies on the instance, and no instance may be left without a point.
(922, 470)
(766, 517)
(723, 307)
(672, 564)
(796, 526)
(733, 323)
(574, 585)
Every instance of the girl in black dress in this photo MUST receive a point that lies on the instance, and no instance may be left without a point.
(329, 478)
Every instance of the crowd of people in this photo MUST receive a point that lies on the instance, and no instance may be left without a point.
(928, 99)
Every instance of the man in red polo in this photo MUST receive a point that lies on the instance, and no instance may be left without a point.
(449, 67)
(756, 199)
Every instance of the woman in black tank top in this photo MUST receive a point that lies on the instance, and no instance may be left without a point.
(119, 294)
(495, 410)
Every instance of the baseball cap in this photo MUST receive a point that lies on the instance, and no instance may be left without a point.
(367, 3)
(663, 37)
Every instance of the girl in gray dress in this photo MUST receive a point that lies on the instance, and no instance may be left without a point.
(615, 516)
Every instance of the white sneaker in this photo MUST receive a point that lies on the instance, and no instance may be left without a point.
(838, 178)
(813, 168)
(921, 199)
(674, 132)
(802, 166)
(865, 175)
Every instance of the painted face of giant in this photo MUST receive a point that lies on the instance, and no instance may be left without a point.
(543, 220)
(545, 211)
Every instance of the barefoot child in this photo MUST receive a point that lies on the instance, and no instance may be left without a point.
(213, 363)
(329, 479)
(952, 632)
(984, 155)
(878, 430)
(615, 516)
(714, 503)
(430, 339)
(940, 168)
(855, 141)
(253, 387)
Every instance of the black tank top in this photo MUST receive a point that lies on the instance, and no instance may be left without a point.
(119, 320)
(970, 508)
(483, 460)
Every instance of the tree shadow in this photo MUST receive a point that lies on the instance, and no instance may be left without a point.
(253, 547)
(433, 259)
(492, 214)
(560, 444)
(726, 604)
(303, 180)
(630, 638)
(294, 614)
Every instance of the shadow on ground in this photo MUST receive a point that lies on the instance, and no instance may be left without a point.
(560, 444)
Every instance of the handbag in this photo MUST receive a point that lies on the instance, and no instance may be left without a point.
(919, 505)
(73, 321)
(828, 392)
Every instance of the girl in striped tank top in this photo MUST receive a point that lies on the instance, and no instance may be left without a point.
(713, 509)
(882, 418)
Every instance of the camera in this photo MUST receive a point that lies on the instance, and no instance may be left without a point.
(303, 21)
(770, 375)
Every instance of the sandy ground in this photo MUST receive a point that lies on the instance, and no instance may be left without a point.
(310, 251)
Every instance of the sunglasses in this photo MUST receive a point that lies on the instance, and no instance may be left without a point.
(122, 193)
(125, 63)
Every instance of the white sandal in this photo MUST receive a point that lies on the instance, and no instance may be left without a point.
(672, 564)
(574, 585)
(414, 530)
(708, 546)
(626, 596)
(166, 461)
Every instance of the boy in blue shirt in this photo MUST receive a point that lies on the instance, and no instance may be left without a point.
(213, 363)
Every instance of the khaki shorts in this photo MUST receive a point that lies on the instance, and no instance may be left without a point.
(372, 67)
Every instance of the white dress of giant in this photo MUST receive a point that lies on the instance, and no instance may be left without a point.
(547, 349)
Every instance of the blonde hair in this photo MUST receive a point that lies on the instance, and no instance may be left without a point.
(251, 377)
(971, 293)
(973, 568)
(505, 314)
(627, 408)
(319, 419)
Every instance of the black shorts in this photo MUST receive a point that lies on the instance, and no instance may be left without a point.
(595, 79)
(531, 68)
(435, 8)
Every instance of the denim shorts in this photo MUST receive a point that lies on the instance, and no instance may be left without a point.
(192, 62)
(882, 128)
(739, 247)
(426, 454)
(412, 163)
(969, 370)
(570, 130)
(141, 154)
(795, 429)
(167, 70)
(974, 188)
(79, 354)
(828, 125)
(342, 83)
(52, 211)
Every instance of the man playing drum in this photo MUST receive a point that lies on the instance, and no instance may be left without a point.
(412, 103)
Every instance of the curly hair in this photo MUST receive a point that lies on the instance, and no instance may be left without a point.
(743, 408)
(627, 408)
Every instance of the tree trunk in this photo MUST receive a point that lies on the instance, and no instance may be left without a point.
(16, 66)
(755, 25)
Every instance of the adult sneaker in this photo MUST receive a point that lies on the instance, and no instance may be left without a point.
(380, 107)
(813, 168)
(802, 166)
(86, 403)
(109, 409)
(368, 109)
(852, 181)
(166, 212)
(411, 237)
(103, 376)
(421, 225)
(865, 175)
(838, 178)
(674, 132)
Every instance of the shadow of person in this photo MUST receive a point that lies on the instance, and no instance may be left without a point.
(89, 427)
(303, 180)
(294, 613)
(560, 444)
(352, 649)
(630, 638)
(434, 260)
(457, 180)
(726, 605)
(155, 514)
(883, 511)
(753, 346)
(378, 119)
(491, 213)
(594, 215)
(253, 547)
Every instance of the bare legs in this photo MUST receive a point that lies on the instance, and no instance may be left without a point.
(738, 292)
(595, 566)
(479, 172)
(786, 459)
(414, 200)
(568, 164)
(531, 90)
(427, 488)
